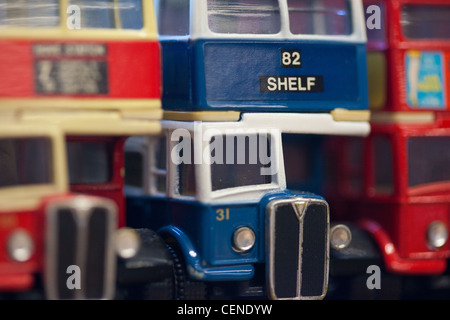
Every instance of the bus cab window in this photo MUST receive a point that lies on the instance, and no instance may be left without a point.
(324, 17)
(241, 160)
(173, 17)
(104, 14)
(29, 13)
(25, 161)
(251, 17)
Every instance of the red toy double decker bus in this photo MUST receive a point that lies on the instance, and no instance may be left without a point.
(90, 71)
(92, 67)
(395, 184)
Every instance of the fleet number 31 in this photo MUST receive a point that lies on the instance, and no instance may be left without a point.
(222, 214)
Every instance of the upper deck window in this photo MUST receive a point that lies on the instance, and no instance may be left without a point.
(110, 14)
(173, 17)
(322, 17)
(244, 17)
(25, 161)
(29, 13)
(421, 21)
(102, 14)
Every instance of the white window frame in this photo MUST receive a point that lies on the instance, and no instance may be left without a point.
(199, 28)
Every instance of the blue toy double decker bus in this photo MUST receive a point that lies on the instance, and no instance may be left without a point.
(237, 77)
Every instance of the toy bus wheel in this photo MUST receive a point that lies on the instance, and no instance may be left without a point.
(184, 287)
(161, 290)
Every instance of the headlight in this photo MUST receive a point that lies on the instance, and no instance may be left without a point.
(437, 234)
(20, 245)
(243, 239)
(127, 243)
(341, 236)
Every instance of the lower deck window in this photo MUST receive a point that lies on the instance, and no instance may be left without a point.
(383, 162)
(428, 160)
(89, 162)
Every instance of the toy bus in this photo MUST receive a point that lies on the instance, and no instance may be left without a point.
(92, 69)
(40, 219)
(100, 80)
(394, 184)
(235, 78)
(231, 223)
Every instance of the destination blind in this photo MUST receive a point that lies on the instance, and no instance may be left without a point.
(291, 84)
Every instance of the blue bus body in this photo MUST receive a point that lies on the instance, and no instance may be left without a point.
(204, 232)
(243, 75)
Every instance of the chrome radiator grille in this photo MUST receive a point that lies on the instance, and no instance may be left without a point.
(298, 249)
(79, 258)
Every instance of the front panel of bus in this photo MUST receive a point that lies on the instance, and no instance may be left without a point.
(110, 54)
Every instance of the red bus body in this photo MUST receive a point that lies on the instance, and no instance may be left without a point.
(15, 275)
(132, 72)
(397, 219)
(395, 46)
(124, 70)
(398, 215)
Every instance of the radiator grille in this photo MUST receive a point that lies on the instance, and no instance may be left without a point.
(298, 248)
(80, 235)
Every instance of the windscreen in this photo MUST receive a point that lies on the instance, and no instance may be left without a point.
(238, 160)
(25, 161)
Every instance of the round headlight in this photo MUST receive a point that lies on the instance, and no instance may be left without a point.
(20, 246)
(437, 234)
(243, 239)
(127, 243)
(341, 236)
